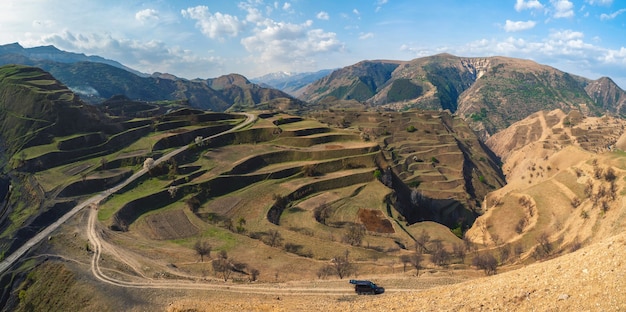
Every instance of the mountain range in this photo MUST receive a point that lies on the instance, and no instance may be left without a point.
(490, 92)
(436, 163)
(292, 83)
(96, 79)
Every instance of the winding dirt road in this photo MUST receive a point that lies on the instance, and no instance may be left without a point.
(7, 262)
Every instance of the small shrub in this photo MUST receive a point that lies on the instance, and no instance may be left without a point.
(411, 128)
(481, 178)
(486, 262)
(310, 171)
(584, 214)
(521, 225)
(610, 175)
(377, 174)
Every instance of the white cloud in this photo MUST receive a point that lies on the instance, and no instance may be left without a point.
(566, 35)
(323, 15)
(147, 15)
(286, 43)
(145, 56)
(521, 5)
(380, 3)
(600, 2)
(562, 8)
(615, 57)
(512, 26)
(356, 12)
(613, 15)
(214, 26)
(286, 6)
(363, 36)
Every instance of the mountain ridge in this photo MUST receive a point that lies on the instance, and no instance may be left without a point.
(491, 92)
(96, 80)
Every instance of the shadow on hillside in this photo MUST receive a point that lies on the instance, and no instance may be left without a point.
(416, 207)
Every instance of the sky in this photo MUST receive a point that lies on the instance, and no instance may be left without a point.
(206, 39)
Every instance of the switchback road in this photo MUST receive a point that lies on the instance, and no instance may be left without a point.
(7, 262)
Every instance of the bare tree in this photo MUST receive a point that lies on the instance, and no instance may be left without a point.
(355, 234)
(440, 256)
(342, 265)
(325, 271)
(486, 262)
(589, 188)
(223, 267)
(254, 275)
(416, 262)
(459, 251)
(544, 247)
(422, 241)
(274, 238)
(405, 259)
(202, 248)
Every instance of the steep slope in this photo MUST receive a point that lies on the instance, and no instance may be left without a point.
(436, 164)
(606, 94)
(564, 177)
(491, 92)
(359, 82)
(35, 107)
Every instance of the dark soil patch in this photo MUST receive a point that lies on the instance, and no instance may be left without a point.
(169, 225)
(375, 221)
(334, 146)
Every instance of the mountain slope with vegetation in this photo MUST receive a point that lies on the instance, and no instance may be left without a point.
(96, 80)
(35, 107)
(491, 92)
(292, 205)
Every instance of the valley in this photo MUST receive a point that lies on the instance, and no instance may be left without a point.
(274, 203)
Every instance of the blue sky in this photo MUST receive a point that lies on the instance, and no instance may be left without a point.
(253, 37)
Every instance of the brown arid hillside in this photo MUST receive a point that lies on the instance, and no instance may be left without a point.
(562, 215)
(590, 279)
(565, 184)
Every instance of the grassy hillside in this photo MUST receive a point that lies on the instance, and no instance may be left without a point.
(35, 107)
(490, 93)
